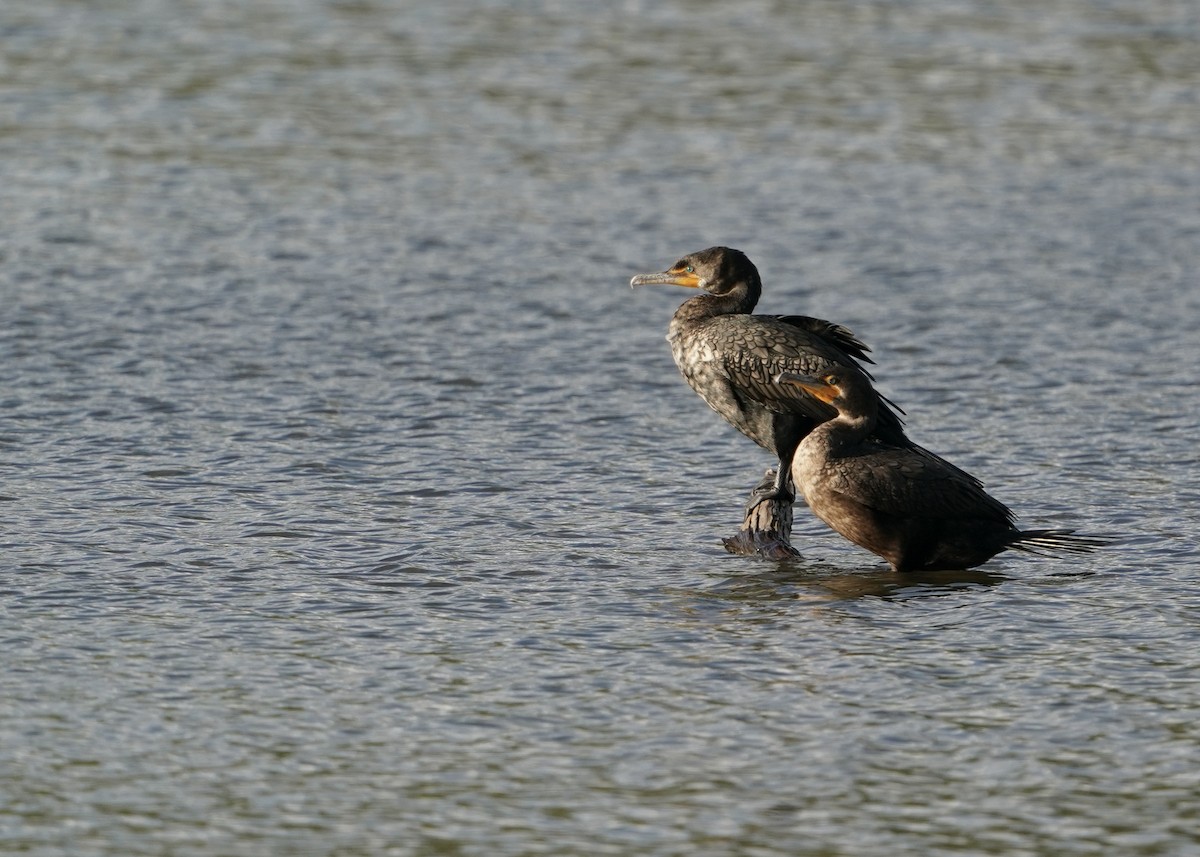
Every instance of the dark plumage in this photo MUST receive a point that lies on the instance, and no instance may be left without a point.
(731, 358)
(905, 504)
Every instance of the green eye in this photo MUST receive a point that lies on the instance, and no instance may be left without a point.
(690, 269)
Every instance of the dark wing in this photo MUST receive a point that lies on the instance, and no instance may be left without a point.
(832, 345)
(913, 483)
(756, 348)
(842, 337)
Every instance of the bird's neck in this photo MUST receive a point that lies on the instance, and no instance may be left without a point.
(846, 430)
(741, 299)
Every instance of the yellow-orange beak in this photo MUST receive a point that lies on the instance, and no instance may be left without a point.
(810, 384)
(673, 277)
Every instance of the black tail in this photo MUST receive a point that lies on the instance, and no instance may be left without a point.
(1050, 542)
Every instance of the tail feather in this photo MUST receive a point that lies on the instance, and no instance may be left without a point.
(1050, 542)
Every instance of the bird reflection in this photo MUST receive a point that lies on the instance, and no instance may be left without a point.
(806, 580)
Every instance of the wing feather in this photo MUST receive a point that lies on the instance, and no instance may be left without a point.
(759, 347)
(913, 482)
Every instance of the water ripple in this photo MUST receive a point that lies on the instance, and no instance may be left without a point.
(353, 503)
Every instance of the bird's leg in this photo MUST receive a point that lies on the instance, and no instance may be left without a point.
(766, 528)
(778, 489)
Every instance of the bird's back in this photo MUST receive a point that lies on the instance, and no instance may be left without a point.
(911, 481)
(731, 361)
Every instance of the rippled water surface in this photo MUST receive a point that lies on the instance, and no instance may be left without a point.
(352, 503)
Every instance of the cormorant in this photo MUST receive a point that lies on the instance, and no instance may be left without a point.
(731, 358)
(905, 504)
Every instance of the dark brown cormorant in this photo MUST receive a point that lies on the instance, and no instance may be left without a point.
(905, 504)
(731, 358)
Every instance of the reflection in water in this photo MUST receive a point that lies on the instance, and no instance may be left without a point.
(813, 581)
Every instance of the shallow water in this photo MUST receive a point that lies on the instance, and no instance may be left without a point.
(353, 504)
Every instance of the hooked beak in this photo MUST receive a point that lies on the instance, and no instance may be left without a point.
(673, 277)
(810, 384)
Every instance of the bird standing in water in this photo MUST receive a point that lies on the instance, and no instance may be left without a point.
(731, 358)
(905, 504)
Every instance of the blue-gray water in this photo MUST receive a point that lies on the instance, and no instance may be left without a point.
(352, 504)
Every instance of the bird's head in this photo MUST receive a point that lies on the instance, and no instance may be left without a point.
(830, 387)
(718, 270)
